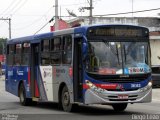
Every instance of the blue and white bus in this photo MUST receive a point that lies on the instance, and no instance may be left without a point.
(101, 64)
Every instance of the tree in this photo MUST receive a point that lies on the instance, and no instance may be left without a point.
(2, 45)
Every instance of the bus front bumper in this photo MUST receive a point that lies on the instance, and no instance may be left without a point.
(142, 95)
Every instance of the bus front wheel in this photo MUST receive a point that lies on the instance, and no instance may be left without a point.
(65, 98)
(119, 107)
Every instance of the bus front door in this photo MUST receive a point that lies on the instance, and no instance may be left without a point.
(77, 70)
(34, 69)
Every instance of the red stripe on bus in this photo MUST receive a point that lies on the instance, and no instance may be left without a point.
(103, 86)
(85, 86)
(107, 86)
(29, 77)
(36, 89)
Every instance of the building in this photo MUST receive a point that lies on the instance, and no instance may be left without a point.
(155, 47)
(153, 23)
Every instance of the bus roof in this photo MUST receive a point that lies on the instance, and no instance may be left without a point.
(81, 29)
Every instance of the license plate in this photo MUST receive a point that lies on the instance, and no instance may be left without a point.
(123, 96)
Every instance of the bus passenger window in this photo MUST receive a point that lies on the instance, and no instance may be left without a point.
(26, 49)
(67, 53)
(56, 57)
(45, 58)
(57, 43)
(18, 54)
(45, 45)
(67, 42)
(10, 56)
(45, 54)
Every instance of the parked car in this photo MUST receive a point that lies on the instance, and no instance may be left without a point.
(156, 75)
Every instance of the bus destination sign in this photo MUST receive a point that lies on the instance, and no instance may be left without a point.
(125, 32)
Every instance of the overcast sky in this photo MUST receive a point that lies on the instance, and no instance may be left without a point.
(28, 16)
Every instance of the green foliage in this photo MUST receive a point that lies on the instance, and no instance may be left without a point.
(2, 45)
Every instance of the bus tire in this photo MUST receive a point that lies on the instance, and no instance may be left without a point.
(22, 96)
(119, 107)
(65, 98)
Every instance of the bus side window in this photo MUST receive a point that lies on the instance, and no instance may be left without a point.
(26, 52)
(18, 54)
(11, 51)
(67, 53)
(45, 54)
(45, 45)
(56, 50)
(57, 44)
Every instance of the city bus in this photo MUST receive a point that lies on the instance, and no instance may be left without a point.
(98, 64)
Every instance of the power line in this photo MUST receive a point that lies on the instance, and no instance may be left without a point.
(147, 10)
(35, 21)
(13, 6)
(140, 11)
(41, 28)
(24, 2)
(76, 4)
(7, 7)
(45, 25)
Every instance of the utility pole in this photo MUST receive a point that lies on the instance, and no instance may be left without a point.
(9, 28)
(132, 8)
(90, 17)
(90, 8)
(56, 15)
(9, 19)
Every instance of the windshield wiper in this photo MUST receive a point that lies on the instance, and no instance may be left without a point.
(115, 52)
(125, 54)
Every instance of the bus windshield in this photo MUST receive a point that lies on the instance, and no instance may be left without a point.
(117, 57)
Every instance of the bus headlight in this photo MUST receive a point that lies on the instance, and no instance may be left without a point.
(94, 87)
(146, 87)
(90, 84)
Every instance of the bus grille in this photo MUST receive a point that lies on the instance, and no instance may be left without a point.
(118, 79)
(124, 80)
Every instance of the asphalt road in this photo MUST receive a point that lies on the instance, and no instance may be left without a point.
(10, 109)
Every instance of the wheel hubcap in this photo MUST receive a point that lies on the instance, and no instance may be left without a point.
(66, 98)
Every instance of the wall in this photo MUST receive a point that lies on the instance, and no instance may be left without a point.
(153, 23)
(155, 52)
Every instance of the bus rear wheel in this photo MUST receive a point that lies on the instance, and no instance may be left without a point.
(65, 98)
(22, 96)
(119, 107)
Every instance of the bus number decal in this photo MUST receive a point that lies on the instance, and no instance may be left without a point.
(135, 85)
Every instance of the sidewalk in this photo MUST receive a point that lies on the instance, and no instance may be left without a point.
(2, 78)
(156, 94)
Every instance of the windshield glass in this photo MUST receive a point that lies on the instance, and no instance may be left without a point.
(117, 57)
